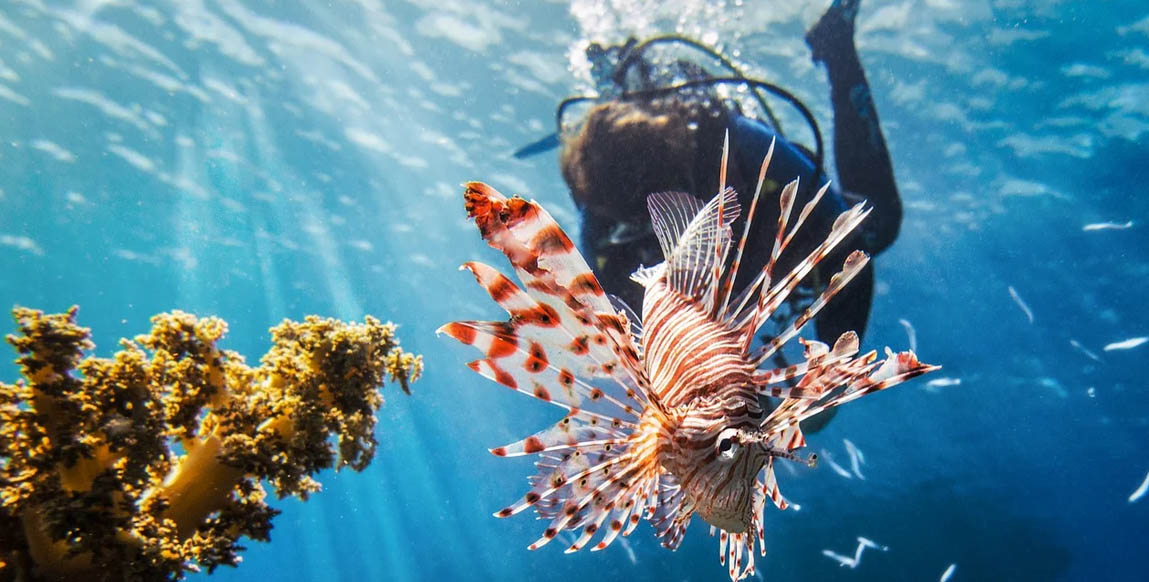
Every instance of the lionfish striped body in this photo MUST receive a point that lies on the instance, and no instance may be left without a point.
(664, 422)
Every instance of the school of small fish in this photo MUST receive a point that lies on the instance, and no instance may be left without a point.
(663, 416)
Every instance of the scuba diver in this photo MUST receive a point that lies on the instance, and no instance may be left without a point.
(657, 124)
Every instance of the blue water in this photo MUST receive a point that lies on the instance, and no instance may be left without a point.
(260, 160)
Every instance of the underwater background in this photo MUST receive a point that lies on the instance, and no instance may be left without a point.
(258, 160)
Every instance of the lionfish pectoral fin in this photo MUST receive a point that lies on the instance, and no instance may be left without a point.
(560, 317)
(578, 430)
(859, 376)
(606, 493)
(541, 252)
(568, 344)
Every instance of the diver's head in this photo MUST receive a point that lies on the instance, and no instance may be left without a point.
(620, 154)
(626, 150)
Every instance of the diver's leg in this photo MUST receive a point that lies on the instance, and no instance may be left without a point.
(863, 162)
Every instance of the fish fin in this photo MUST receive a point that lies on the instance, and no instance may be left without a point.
(770, 486)
(564, 335)
(670, 513)
(647, 276)
(818, 356)
(736, 551)
(626, 508)
(603, 505)
(700, 248)
(845, 382)
(771, 297)
(723, 312)
(577, 430)
(670, 215)
(854, 264)
(588, 498)
(556, 312)
(785, 207)
(554, 374)
(792, 438)
(558, 477)
(632, 318)
(501, 289)
(529, 236)
(807, 210)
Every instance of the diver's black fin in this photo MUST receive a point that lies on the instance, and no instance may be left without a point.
(546, 144)
(835, 27)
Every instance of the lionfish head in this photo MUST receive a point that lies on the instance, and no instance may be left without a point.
(716, 454)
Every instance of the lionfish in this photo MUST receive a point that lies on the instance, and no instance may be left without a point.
(664, 417)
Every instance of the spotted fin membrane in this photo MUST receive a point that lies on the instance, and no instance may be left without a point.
(567, 344)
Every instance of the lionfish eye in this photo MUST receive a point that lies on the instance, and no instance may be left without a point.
(727, 444)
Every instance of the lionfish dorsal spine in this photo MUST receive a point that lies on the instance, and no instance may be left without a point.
(854, 264)
(771, 296)
(720, 250)
(727, 286)
(741, 314)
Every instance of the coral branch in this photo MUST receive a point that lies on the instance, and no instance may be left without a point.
(151, 464)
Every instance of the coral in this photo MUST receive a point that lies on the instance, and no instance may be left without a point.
(151, 464)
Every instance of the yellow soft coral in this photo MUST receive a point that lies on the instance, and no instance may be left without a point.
(149, 465)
